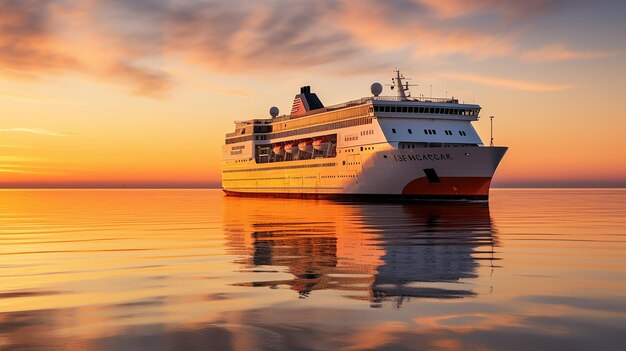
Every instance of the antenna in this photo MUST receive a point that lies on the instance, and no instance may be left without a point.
(402, 88)
(491, 120)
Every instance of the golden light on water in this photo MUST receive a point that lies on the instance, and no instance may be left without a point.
(99, 268)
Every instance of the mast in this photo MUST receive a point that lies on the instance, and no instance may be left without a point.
(401, 88)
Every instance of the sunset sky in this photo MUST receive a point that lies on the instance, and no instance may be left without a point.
(141, 92)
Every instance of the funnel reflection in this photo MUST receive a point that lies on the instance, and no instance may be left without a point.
(370, 252)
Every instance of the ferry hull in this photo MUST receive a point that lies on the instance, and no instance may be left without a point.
(462, 173)
(359, 197)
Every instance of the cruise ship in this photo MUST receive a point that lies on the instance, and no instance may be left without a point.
(377, 147)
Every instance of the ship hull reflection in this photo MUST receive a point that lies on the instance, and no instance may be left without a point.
(370, 252)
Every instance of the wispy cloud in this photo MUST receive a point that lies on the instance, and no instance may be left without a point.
(134, 43)
(37, 131)
(506, 83)
(20, 159)
(25, 171)
(25, 98)
(15, 146)
(560, 52)
(398, 27)
(509, 8)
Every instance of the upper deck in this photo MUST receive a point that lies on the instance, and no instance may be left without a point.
(309, 115)
(372, 107)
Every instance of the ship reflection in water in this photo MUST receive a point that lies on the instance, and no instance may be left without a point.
(194, 270)
(393, 252)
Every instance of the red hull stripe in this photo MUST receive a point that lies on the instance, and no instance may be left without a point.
(357, 197)
(449, 186)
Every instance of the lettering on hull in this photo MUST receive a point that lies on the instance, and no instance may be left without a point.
(423, 157)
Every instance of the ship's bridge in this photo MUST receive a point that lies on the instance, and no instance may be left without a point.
(432, 108)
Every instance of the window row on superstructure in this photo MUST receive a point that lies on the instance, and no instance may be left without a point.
(429, 110)
(256, 169)
(418, 145)
(432, 131)
(314, 129)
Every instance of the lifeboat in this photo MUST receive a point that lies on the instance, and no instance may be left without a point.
(279, 150)
(306, 146)
(321, 144)
(291, 148)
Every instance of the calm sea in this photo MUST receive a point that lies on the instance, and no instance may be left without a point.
(194, 270)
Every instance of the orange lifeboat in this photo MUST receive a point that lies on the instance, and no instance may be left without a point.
(306, 146)
(291, 148)
(279, 149)
(321, 144)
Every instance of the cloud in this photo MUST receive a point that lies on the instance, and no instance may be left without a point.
(37, 131)
(15, 146)
(398, 26)
(506, 83)
(27, 171)
(19, 159)
(55, 37)
(560, 52)
(24, 98)
(136, 43)
(143, 80)
(447, 9)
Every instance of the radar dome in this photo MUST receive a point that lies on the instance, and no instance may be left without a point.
(274, 111)
(376, 89)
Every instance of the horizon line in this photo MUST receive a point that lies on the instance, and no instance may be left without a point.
(219, 188)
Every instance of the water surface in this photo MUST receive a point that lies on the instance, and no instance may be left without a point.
(194, 270)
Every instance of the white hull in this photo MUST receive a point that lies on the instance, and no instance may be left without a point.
(461, 172)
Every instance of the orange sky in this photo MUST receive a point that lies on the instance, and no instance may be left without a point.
(141, 93)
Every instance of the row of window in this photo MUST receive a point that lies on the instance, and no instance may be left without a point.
(431, 131)
(403, 145)
(339, 176)
(367, 132)
(350, 138)
(430, 110)
(283, 167)
(319, 128)
(287, 178)
(257, 129)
